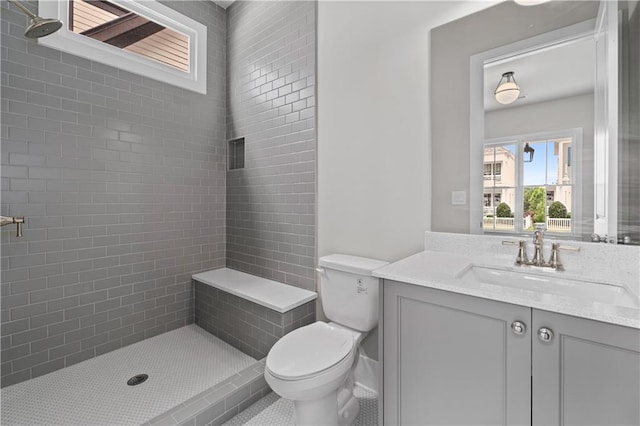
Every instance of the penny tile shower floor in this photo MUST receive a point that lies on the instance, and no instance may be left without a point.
(275, 411)
(180, 364)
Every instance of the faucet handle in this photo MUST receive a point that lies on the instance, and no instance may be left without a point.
(522, 258)
(554, 260)
(567, 248)
(18, 220)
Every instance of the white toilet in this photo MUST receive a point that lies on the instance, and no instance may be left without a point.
(314, 365)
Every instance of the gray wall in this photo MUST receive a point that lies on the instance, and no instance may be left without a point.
(121, 180)
(452, 45)
(271, 103)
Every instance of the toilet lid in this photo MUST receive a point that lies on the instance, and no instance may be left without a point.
(309, 350)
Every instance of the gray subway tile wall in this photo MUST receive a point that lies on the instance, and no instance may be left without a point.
(271, 103)
(122, 182)
(246, 325)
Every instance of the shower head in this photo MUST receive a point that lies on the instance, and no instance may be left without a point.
(39, 27)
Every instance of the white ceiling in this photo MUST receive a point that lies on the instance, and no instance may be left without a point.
(552, 73)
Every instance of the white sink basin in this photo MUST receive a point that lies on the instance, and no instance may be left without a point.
(550, 282)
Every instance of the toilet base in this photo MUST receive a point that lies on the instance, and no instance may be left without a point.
(348, 406)
(317, 412)
(339, 408)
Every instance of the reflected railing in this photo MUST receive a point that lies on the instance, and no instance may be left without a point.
(507, 223)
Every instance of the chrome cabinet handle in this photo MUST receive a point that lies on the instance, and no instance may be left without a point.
(518, 327)
(545, 334)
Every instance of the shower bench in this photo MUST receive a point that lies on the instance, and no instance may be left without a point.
(249, 312)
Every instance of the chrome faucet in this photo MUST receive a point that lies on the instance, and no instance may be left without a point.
(18, 220)
(538, 246)
(538, 255)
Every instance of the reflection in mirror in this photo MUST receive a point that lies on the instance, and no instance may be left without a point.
(556, 83)
(554, 78)
(629, 143)
(523, 192)
(547, 197)
(499, 198)
(113, 24)
(543, 114)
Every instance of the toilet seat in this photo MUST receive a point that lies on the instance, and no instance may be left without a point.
(310, 351)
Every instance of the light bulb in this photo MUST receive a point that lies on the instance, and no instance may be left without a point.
(508, 89)
(507, 92)
(530, 2)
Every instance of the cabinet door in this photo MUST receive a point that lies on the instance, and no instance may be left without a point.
(452, 359)
(588, 373)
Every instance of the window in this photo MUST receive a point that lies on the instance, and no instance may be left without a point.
(530, 183)
(499, 186)
(147, 38)
(491, 170)
(109, 23)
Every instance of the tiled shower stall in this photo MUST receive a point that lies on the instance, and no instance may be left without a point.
(124, 185)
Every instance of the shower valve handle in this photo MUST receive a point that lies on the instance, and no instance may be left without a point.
(18, 220)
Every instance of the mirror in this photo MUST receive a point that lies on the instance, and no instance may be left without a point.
(548, 124)
(541, 146)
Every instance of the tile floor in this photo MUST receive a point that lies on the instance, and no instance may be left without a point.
(275, 411)
(69, 396)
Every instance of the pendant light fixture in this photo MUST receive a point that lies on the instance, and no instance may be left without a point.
(507, 90)
(530, 2)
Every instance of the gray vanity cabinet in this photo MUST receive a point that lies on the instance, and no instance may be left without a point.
(452, 359)
(587, 373)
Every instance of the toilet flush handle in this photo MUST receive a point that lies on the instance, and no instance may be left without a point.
(320, 270)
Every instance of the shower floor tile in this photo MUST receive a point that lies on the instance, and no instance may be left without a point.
(180, 364)
(275, 411)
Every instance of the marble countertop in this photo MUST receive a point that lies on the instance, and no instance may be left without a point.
(439, 270)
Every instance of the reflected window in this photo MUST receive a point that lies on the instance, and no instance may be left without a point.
(492, 169)
(529, 184)
(499, 187)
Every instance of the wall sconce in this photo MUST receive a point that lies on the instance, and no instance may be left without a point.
(507, 90)
(527, 148)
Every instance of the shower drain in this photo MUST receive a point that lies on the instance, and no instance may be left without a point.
(137, 379)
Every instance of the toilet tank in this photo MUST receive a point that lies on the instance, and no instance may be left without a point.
(349, 292)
